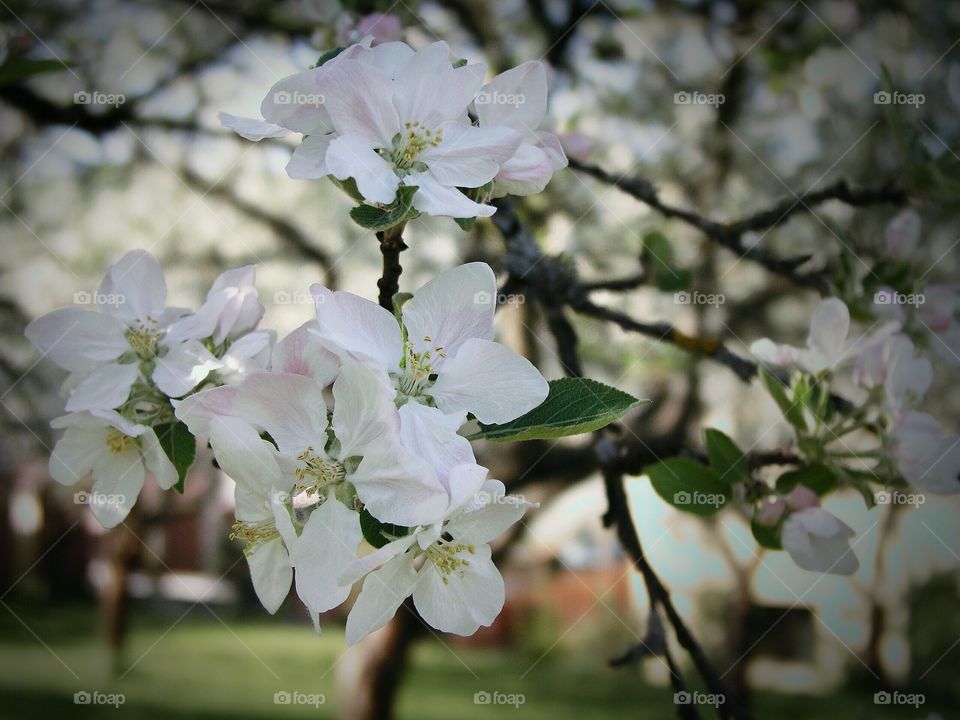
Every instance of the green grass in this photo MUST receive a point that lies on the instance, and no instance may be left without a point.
(202, 668)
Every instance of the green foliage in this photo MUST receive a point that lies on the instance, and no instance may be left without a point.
(17, 69)
(726, 460)
(379, 219)
(657, 258)
(573, 406)
(816, 476)
(688, 485)
(377, 533)
(791, 410)
(180, 446)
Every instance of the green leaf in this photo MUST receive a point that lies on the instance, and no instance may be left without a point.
(765, 535)
(792, 412)
(657, 256)
(465, 223)
(378, 219)
(726, 460)
(377, 533)
(180, 446)
(688, 485)
(17, 69)
(816, 476)
(329, 55)
(573, 406)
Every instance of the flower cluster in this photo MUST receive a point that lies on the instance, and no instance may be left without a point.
(884, 378)
(342, 438)
(382, 118)
(128, 358)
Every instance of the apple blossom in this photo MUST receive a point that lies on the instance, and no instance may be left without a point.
(826, 342)
(117, 453)
(819, 541)
(927, 457)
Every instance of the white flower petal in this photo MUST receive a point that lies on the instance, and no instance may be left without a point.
(251, 128)
(363, 411)
(249, 460)
(384, 590)
(431, 91)
(433, 198)
(136, 282)
(470, 156)
(73, 337)
(271, 573)
(360, 566)
(526, 173)
(184, 367)
(397, 487)
(354, 325)
(463, 600)
(359, 98)
(157, 462)
(106, 387)
(819, 542)
(309, 160)
(348, 157)
(301, 353)
(490, 381)
(432, 435)
(117, 481)
(296, 103)
(828, 332)
(515, 98)
(77, 452)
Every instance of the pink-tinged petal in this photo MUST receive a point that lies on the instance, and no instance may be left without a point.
(230, 309)
(470, 156)
(157, 462)
(352, 325)
(358, 97)
(801, 498)
(77, 452)
(390, 57)
(819, 542)
(908, 376)
(73, 337)
(381, 27)
(903, 234)
(250, 461)
(251, 128)
(461, 601)
(384, 590)
(515, 98)
(348, 157)
(136, 282)
(397, 487)
(106, 387)
(309, 160)
(296, 103)
(490, 381)
(457, 305)
(526, 173)
(327, 545)
(770, 353)
(198, 409)
(432, 435)
(117, 481)
(248, 354)
(829, 327)
(431, 91)
(183, 368)
(302, 353)
(363, 411)
(432, 198)
(271, 574)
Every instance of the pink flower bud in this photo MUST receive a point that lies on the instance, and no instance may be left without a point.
(801, 498)
(771, 512)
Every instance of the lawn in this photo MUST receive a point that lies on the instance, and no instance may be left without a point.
(199, 667)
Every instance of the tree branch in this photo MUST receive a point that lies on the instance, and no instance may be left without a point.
(391, 245)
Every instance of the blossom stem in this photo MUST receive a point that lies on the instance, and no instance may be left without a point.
(391, 245)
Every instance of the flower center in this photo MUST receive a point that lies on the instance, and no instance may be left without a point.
(318, 472)
(254, 534)
(417, 373)
(118, 442)
(143, 338)
(407, 146)
(445, 557)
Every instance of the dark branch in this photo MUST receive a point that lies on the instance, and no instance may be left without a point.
(391, 245)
